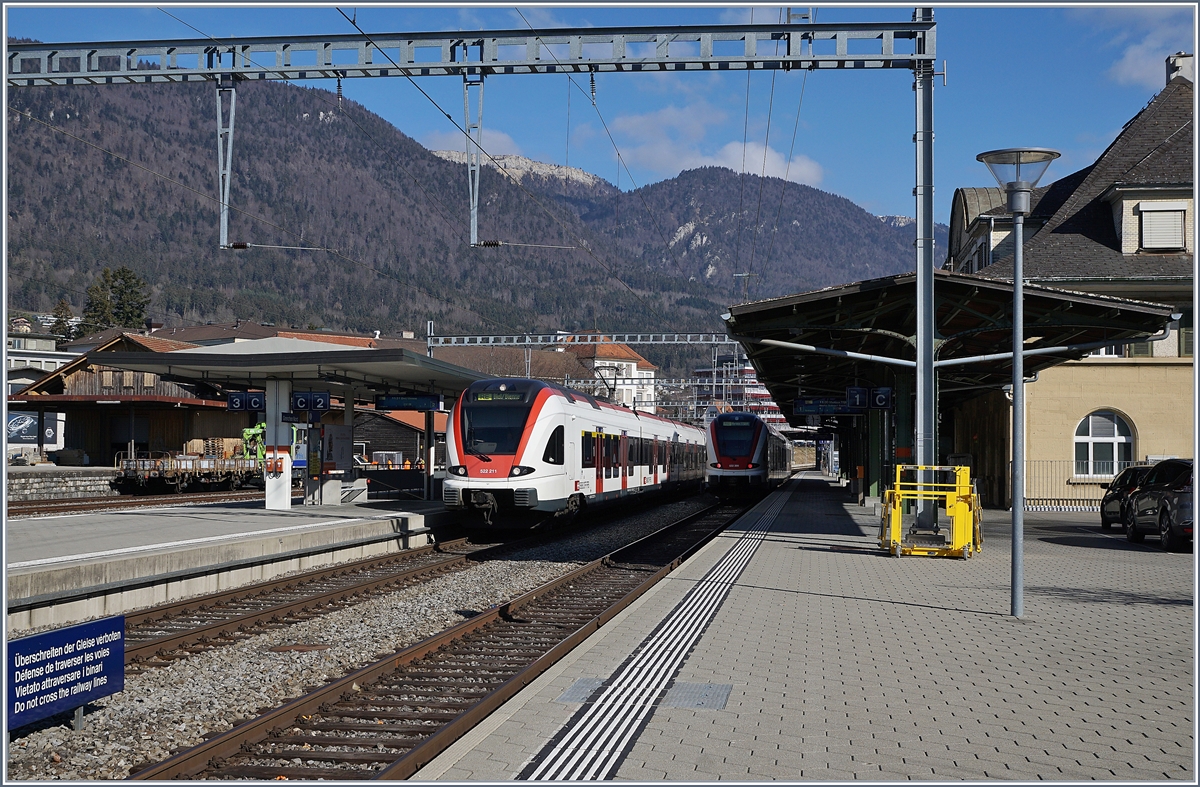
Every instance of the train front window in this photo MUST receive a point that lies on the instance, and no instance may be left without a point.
(493, 421)
(734, 438)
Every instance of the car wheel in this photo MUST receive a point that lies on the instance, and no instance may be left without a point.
(1132, 534)
(1166, 533)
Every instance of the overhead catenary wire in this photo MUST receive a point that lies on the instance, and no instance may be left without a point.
(582, 246)
(620, 159)
(438, 205)
(762, 178)
(787, 169)
(29, 116)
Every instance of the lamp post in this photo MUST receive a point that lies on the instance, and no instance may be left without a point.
(1018, 171)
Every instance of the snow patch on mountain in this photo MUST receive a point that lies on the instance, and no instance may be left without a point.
(519, 167)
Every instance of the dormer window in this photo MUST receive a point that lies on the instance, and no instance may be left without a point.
(1163, 225)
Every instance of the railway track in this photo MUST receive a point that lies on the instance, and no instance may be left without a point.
(162, 635)
(86, 504)
(389, 719)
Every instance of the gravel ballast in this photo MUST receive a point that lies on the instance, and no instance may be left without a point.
(172, 708)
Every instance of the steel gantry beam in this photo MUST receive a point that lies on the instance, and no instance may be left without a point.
(541, 339)
(583, 50)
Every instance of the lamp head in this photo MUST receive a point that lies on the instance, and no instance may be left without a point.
(1018, 171)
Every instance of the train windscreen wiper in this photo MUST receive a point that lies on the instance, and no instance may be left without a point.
(476, 452)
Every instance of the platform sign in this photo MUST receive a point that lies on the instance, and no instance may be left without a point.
(424, 402)
(856, 398)
(292, 418)
(236, 402)
(818, 405)
(881, 398)
(318, 400)
(256, 402)
(64, 669)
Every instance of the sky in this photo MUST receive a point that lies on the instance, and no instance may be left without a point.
(1061, 77)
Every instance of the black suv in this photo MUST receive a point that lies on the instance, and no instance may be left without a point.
(1113, 507)
(1163, 503)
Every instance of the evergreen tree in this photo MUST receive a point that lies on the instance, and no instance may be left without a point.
(116, 299)
(130, 298)
(62, 320)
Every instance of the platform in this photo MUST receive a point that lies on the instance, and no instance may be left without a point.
(152, 555)
(816, 657)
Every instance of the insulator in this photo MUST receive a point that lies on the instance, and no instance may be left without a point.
(593, 89)
(339, 94)
(491, 244)
(239, 245)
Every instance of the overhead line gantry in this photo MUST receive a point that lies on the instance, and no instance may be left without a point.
(474, 55)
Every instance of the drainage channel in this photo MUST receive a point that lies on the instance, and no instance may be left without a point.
(389, 719)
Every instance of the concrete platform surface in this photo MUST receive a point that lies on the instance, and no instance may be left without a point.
(82, 537)
(62, 569)
(828, 661)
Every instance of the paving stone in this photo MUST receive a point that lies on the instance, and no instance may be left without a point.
(844, 664)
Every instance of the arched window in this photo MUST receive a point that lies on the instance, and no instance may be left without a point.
(1103, 444)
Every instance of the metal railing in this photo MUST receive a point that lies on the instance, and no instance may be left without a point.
(1068, 484)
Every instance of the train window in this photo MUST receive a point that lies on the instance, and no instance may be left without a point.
(555, 448)
(589, 450)
(630, 454)
(608, 455)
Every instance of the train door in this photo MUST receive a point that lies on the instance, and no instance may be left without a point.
(623, 457)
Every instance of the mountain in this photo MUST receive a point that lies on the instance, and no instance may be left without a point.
(311, 171)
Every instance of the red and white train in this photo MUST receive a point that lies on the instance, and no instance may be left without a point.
(526, 449)
(745, 452)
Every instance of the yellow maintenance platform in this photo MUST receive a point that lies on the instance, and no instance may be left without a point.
(953, 529)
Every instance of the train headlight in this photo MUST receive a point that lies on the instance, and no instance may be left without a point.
(457, 470)
(752, 465)
(519, 470)
(716, 465)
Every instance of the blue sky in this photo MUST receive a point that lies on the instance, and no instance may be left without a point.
(1061, 77)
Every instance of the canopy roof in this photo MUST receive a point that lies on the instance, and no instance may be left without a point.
(973, 317)
(306, 364)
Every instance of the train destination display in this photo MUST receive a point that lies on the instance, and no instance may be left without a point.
(63, 669)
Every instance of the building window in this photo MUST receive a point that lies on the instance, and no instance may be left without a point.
(1185, 342)
(1162, 225)
(1103, 444)
(1139, 350)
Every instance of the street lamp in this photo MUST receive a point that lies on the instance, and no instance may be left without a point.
(1018, 171)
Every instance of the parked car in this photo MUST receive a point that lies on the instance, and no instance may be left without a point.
(1163, 504)
(1116, 500)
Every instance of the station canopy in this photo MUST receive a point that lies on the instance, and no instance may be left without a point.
(347, 370)
(973, 317)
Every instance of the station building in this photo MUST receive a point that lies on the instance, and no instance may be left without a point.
(1122, 226)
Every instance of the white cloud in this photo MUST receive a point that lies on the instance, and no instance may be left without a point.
(802, 169)
(494, 142)
(670, 140)
(1142, 37)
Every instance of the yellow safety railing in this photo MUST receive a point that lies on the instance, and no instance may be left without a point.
(953, 493)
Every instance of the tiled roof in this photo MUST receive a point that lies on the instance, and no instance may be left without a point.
(1080, 240)
(156, 344)
(510, 362)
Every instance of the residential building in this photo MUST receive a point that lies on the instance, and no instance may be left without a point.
(1124, 226)
(627, 378)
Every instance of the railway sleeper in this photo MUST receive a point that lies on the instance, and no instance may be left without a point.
(354, 757)
(428, 689)
(336, 740)
(372, 700)
(271, 773)
(391, 729)
(362, 713)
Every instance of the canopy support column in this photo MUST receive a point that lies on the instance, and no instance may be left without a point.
(277, 472)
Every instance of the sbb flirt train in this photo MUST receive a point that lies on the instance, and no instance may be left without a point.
(746, 452)
(522, 450)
